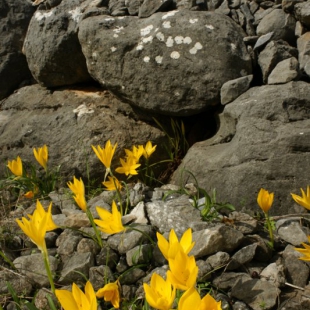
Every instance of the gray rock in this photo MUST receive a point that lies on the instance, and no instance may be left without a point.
(99, 275)
(41, 301)
(107, 256)
(281, 24)
(291, 231)
(274, 52)
(256, 293)
(285, 71)
(35, 116)
(76, 268)
(32, 266)
(302, 12)
(263, 40)
(228, 280)
(77, 220)
(303, 52)
(133, 6)
(234, 88)
(140, 254)
(288, 5)
(132, 276)
(118, 8)
(243, 222)
(14, 19)
(219, 238)
(164, 47)
(20, 283)
(139, 213)
(274, 274)
(88, 245)
(67, 243)
(219, 259)
(166, 215)
(150, 7)
(272, 130)
(242, 257)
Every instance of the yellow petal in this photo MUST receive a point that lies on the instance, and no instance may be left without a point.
(190, 300)
(66, 299)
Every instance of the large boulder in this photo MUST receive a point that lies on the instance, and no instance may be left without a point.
(263, 141)
(52, 47)
(15, 16)
(172, 63)
(69, 121)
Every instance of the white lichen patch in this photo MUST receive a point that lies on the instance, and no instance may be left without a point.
(196, 48)
(109, 19)
(169, 42)
(118, 29)
(193, 20)
(145, 31)
(94, 55)
(187, 40)
(123, 87)
(166, 24)
(169, 14)
(76, 14)
(82, 110)
(233, 46)
(39, 15)
(160, 36)
(179, 40)
(146, 59)
(115, 35)
(159, 59)
(113, 49)
(175, 55)
(139, 47)
(209, 27)
(147, 39)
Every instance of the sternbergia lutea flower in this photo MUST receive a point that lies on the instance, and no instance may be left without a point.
(183, 271)
(110, 292)
(265, 200)
(77, 299)
(149, 149)
(128, 167)
(41, 155)
(160, 294)
(16, 166)
(303, 200)
(171, 248)
(192, 300)
(111, 222)
(305, 251)
(113, 184)
(78, 189)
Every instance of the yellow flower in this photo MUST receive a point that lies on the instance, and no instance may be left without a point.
(128, 167)
(41, 156)
(305, 251)
(77, 187)
(77, 300)
(35, 228)
(183, 271)
(113, 184)
(304, 200)
(265, 199)
(170, 249)
(159, 294)
(16, 166)
(29, 195)
(136, 152)
(149, 149)
(105, 155)
(50, 225)
(110, 223)
(110, 292)
(191, 300)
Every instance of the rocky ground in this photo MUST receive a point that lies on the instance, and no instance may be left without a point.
(231, 251)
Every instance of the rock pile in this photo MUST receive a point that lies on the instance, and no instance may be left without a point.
(231, 252)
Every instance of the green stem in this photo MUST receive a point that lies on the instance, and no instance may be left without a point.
(269, 229)
(48, 270)
(91, 219)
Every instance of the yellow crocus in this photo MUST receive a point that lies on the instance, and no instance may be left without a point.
(149, 149)
(265, 199)
(303, 200)
(192, 300)
(110, 292)
(160, 294)
(105, 155)
(77, 299)
(170, 249)
(111, 222)
(113, 184)
(41, 156)
(50, 225)
(78, 189)
(183, 271)
(136, 152)
(305, 251)
(16, 166)
(35, 228)
(128, 167)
